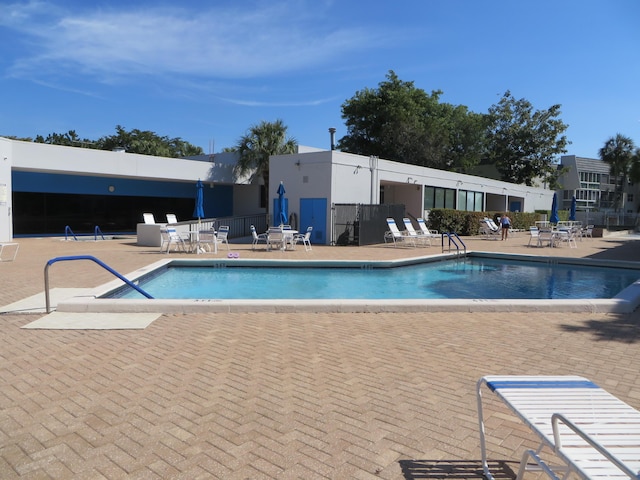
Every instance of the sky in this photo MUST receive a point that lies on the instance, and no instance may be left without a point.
(206, 71)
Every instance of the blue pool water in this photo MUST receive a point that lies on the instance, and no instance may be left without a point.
(475, 278)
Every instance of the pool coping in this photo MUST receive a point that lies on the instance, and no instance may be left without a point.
(625, 302)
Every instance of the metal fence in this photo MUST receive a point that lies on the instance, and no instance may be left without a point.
(240, 226)
(358, 224)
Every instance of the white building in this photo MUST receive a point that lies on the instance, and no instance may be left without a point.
(315, 181)
(44, 188)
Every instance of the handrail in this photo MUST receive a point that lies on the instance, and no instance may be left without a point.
(97, 230)
(84, 257)
(452, 236)
(67, 230)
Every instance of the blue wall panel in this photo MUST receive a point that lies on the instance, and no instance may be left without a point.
(218, 201)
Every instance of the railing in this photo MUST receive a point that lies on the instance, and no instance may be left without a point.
(453, 238)
(68, 231)
(238, 226)
(84, 257)
(97, 230)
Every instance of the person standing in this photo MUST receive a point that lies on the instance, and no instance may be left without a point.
(505, 223)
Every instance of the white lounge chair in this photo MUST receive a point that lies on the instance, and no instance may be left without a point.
(257, 238)
(395, 235)
(489, 229)
(419, 238)
(305, 238)
(171, 218)
(8, 246)
(425, 230)
(590, 431)
(148, 218)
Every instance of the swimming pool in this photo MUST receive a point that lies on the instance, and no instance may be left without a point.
(102, 299)
(466, 278)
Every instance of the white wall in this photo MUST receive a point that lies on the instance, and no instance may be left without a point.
(41, 157)
(6, 207)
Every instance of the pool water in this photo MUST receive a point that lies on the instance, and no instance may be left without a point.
(471, 278)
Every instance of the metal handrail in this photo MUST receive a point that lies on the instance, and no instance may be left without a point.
(452, 236)
(67, 231)
(84, 257)
(97, 231)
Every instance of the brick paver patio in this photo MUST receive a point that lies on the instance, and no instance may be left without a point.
(288, 396)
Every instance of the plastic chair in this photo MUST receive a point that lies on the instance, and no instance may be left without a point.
(258, 237)
(305, 238)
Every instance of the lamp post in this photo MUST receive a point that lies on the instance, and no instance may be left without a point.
(373, 168)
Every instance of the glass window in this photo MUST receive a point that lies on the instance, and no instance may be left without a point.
(429, 198)
(462, 199)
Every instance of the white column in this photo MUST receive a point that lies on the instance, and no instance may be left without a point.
(6, 207)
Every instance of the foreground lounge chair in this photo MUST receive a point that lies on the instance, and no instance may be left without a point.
(419, 238)
(395, 235)
(593, 433)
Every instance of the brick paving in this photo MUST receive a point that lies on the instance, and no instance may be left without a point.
(281, 396)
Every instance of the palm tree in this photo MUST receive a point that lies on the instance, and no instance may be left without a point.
(618, 152)
(257, 145)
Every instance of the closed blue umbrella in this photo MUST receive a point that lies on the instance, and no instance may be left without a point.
(198, 211)
(554, 209)
(282, 207)
(572, 212)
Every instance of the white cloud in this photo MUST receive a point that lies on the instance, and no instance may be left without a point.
(269, 39)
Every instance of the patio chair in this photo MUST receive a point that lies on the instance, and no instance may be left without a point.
(395, 235)
(426, 231)
(275, 236)
(568, 235)
(419, 238)
(222, 235)
(257, 238)
(587, 231)
(305, 238)
(591, 432)
(174, 238)
(535, 236)
(171, 218)
(148, 218)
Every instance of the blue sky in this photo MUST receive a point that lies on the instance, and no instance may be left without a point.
(206, 71)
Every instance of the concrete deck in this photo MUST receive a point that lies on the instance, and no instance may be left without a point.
(282, 395)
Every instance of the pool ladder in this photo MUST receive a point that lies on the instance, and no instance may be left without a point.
(453, 238)
(84, 257)
(96, 232)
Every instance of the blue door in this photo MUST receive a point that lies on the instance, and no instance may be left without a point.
(313, 213)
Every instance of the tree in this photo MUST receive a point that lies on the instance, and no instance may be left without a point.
(69, 139)
(148, 143)
(618, 152)
(135, 141)
(523, 143)
(400, 122)
(257, 145)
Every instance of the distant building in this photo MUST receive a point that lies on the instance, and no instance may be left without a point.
(590, 181)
